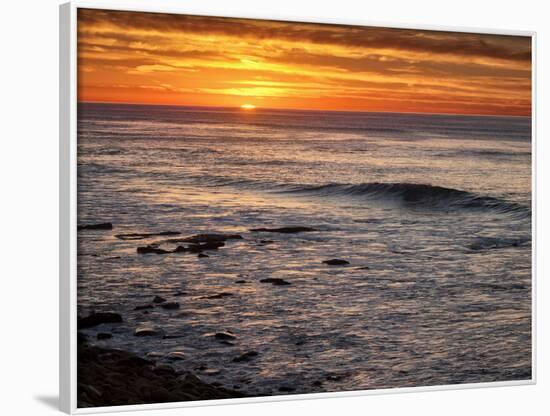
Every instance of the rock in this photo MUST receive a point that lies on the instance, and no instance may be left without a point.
(240, 281)
(336, 262)
(163, 369)
(103, 335)
(286, 389)
(275, 281)
(99, 226)
(363, 268)
(152, 250)
(247, 356)
(158, 299)
(224, 336)
(176, 355)
(197, 248)
(142, 307)
(284, 230)
(137, 236)
(99, 318)
(202, 255)
(80, 338)
(263, 242)
(120, 378)
(205, 238)
(170, 305)
(218, 296)
(146, 331)
(317, 383)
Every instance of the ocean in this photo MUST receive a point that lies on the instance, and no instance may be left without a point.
(432, 212)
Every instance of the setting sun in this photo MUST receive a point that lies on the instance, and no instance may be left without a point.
(248, 106)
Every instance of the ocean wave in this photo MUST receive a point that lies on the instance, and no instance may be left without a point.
(414, 195)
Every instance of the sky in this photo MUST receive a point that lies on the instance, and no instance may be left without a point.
(153, 58)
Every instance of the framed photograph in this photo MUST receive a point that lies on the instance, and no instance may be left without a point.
(270, 208)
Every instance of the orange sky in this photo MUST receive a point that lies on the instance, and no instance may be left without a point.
(136, 57)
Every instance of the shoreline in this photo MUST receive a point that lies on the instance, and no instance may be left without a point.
(112, 377)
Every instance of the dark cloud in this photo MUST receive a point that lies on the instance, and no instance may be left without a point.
(511, 48)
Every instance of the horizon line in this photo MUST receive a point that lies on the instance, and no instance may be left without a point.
(306, 109)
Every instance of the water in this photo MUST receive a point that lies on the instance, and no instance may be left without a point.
(437, 207)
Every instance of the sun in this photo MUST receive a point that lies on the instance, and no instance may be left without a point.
(248, 106)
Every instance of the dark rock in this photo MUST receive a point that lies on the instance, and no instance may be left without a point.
(224, 336)
(99, 226)
(142, 307)
(247, 356)
(118, 378)
(240, 281)
(80, 338)
(138, 236)
(99, 318)
(158, 299)
(170, 305)
(203, 238)
(275, 281)
(152, 250)
(286, 389)
(197, 248)
(218, 296)
(336, 262)
(266, 242)
(202, 255)
(363, 268)
(284, 230)
(103, 335)
(317, 383)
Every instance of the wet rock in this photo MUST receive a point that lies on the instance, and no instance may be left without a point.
(103, 335)
(143, 307)
(120, 378)
(176, 355)
(275, 281)
(205, 238)
(80, 338)
(138, 236)
(197, 248)
(336, 262)
(99, 226)
(224, 336)
(163, 369)
(158, 299)
(218, 295)
(202, 255)
(152, 250)
(170, 305)
(284, 230)
(247, 356)
(99, 318)
(146, 331)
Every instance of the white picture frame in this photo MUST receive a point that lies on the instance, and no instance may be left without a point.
(68, 206)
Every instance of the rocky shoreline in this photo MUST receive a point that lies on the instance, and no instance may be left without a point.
(109, 377)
